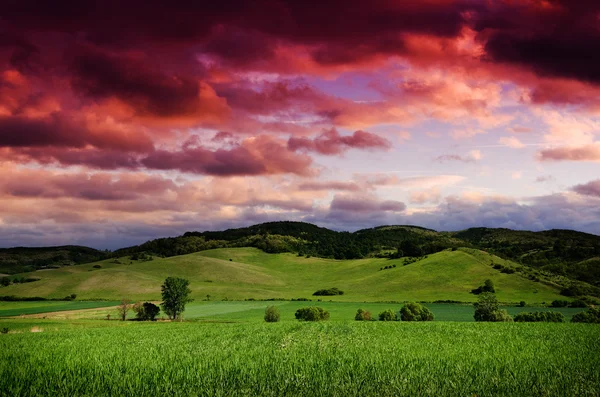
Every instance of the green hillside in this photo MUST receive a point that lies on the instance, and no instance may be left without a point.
(249, 273)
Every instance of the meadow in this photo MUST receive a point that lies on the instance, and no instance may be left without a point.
(248, 273)
(292, 358)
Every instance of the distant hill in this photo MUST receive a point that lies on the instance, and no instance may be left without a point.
(24, 259)
(565, 253)
(249, 273)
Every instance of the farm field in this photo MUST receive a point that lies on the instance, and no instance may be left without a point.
(292, 358)
(254, 311)
(23, 308)
(245, 273)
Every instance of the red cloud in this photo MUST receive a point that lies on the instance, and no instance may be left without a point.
(149, 91)
(60, 130)
(589, 152)
(330, 142)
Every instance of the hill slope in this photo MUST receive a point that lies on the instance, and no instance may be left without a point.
(243, 273)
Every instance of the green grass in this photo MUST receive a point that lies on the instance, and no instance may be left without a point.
(252, 273)
(304, 359)
(20, 308)
(340, 311)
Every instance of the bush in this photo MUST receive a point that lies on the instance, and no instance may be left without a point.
(97, 267)
(578, 304)
(5, 281)
(312, 313)
(415, 312)
(363, 315)
(4, 330)
(522, 304)
(536, 317)
(488, 286)
(272, 314)
(388, 315)
(559, 303)
(488, 309)
(328, 292)
(591, 316)
(146, 311)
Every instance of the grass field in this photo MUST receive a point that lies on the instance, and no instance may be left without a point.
(252, 273)
(308, 359)
(254, 311)
(21, 308)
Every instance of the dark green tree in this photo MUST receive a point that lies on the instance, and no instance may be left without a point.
(388, 315)
(146, 311)
(487, 308)
(175, 295)
(415, 312)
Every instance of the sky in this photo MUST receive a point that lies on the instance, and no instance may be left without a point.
(125, 121)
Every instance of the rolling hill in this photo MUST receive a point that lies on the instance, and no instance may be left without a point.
(249, 273)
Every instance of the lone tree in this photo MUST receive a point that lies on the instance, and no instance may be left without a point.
(175, 295)
(123, 308)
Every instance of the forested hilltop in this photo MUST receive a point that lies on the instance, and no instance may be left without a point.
(24, 259)
(564, 252)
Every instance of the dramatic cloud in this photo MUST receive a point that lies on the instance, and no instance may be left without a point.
(144, 120)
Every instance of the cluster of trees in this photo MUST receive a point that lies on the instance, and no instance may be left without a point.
(6, 281)
(487, 308)
(409, 312)
(306, 239)
(175, 295)
(591, 316)
(22, 260)
(563, 252)
(536, 317)
(562, 303)
(328, 292)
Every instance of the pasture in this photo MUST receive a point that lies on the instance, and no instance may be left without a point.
(248, 273)
(292, 358)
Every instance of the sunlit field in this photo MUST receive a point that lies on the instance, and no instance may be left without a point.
(292, 358)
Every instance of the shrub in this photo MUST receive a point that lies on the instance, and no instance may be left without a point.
(534, 317)
(415, 312)
(488, 309)
(5, 281)
(272, 314)
(388, 315)
(578, 304)
(4, 330)
(559, 303)
(362, 315)
(70, 297)
(146, 311)
(328, 292)
(312, 313)
(522, 304)
(501, 316)
(488, 286)
(591, 316)
(97, 267)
